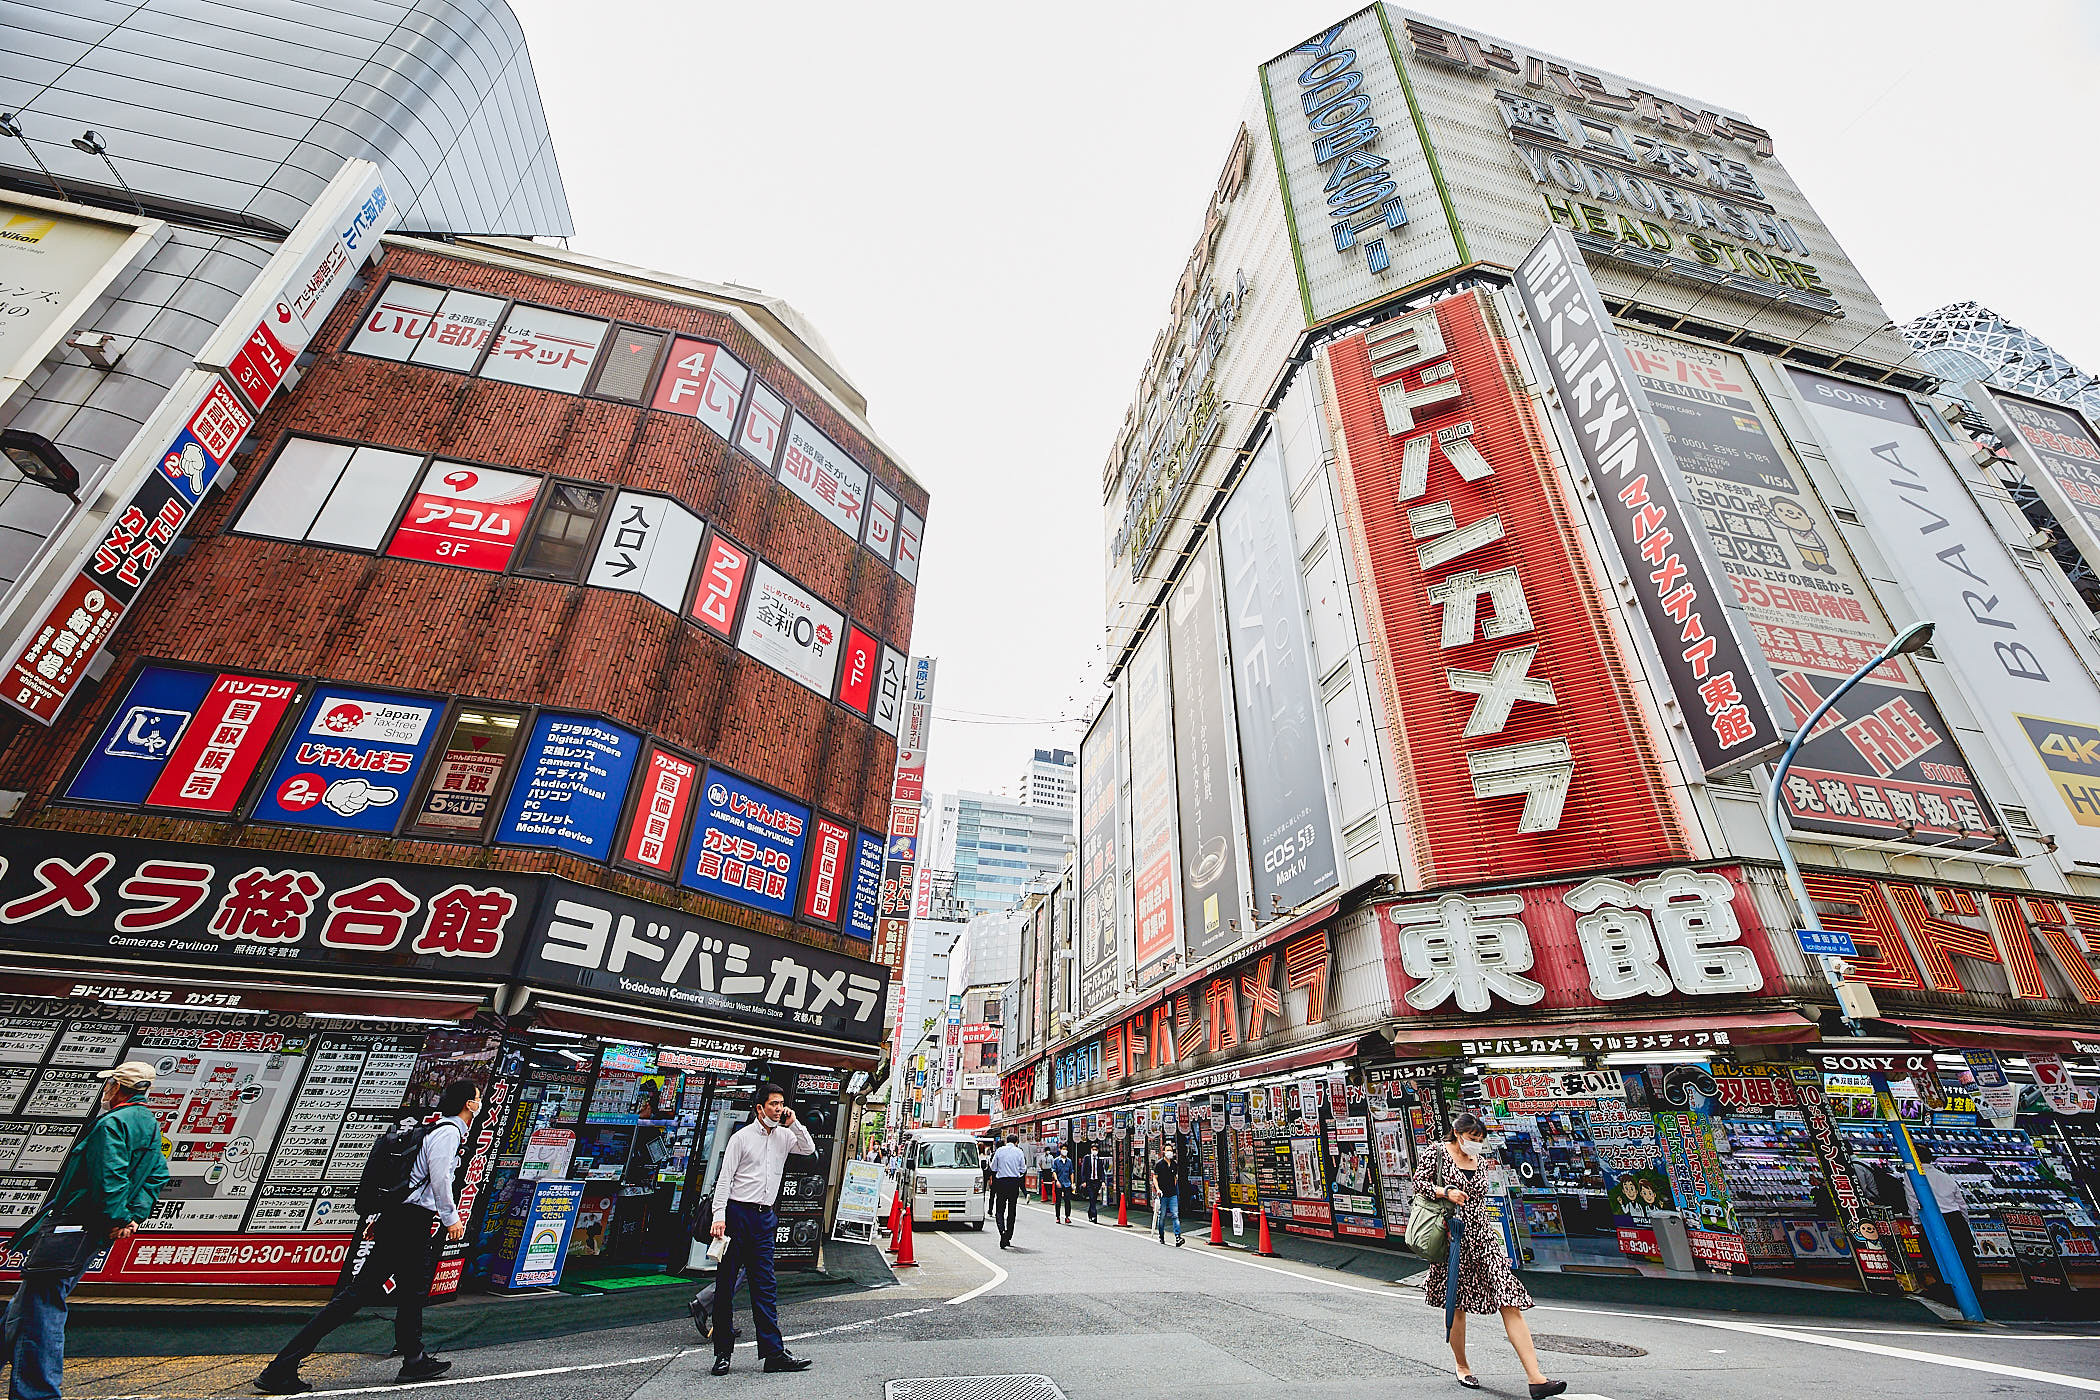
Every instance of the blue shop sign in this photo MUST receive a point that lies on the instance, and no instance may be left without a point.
(867, 887)
(142, 731)
(747, 844)
(571, 784)
(351, 760)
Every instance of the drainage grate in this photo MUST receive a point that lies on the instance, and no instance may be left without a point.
(1583, 1346)
(973, 1388)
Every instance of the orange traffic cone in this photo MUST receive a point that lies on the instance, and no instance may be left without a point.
(1262, 1245)
(901, 1246)
(896, 1203)
(1217, 1225)
(1123, 1209)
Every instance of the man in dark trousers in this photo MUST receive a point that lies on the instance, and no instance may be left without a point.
(1009, 1170)
(106, 1189)
(1166, 1192)
(746, 1187)
(405, 1247)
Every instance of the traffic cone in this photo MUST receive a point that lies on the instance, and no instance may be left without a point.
(901, 1246)
(1262, 1245)
(1123, 1209)
(890, 1226)
(1217, 1225)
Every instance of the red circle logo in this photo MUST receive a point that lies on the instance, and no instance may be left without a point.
(342, 718)
(300, 791)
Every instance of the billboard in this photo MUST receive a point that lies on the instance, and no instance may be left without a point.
(1283, 769)
(724, 570)
(142, 732)
(1101, 835)
(470, 516)
(791, 630)
(665, 798)
(1885, 765)
(819, 471)
(747, 845)
(572, 780)
(2058, 454)
(54, 263)
(830, 872)
(1213, 903)
(2026, 685)
(1157, 935)
(228, 737)
(702, 380)
(352, 759)
(1722, 684)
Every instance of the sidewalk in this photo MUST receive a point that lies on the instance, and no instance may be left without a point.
(160, 1328)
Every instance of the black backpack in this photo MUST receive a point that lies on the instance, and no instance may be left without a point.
(384, 1182)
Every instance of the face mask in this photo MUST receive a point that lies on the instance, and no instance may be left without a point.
(1472, 1151)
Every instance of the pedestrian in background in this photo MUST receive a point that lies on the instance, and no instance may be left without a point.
(1166, 1193)
(1953, 1206)
(1483, 1282)
(404, 1248)
(1061, 1171)
(1099, 1174)
(106, 1189)
(1009, 1170)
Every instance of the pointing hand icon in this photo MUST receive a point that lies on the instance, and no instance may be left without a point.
(349, 796)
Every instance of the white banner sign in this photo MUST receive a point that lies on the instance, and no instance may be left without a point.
(791, 631)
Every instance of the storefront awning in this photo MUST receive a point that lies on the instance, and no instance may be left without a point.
(589, 1017)
(202, 991)
(1774, 1027)
(2045, 1039)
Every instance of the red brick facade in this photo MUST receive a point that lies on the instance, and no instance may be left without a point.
(311, 610)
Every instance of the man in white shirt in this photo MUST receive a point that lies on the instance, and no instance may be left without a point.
(746, 1187)
(1009, 1170)
(1953, 1207)
(403, 1248)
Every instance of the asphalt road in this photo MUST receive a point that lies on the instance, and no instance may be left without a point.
(1111, 1313)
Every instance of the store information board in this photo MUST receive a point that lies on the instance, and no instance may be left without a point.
(90, 1046)
(219, 1096)
(350, 1096)
(25, 1040)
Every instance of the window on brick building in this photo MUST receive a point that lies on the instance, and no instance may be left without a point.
(629, 365)
(473, 757)
(330, 493)
(560, 540)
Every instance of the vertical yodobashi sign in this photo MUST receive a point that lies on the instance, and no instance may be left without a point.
(49, 660)
(2020, 676)
(1213, 906)
(1282, 761)
(1722, 685)
(1885, 764)
(2060, 455)
(1100, 838)
(1157, 936)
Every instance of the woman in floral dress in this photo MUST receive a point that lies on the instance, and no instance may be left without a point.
(1450, 1171)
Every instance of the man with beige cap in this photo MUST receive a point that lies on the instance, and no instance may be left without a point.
(105, 1191)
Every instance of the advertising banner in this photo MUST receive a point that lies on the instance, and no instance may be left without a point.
(1213, 907)
(1158, 931)
(702, 380)
(1885, 765)
(660, 809)
(2058, 453)
(866, 901)
(647, 547)
(571, 782)
(747, 845)
(545, 349)
(1721, 682)
(142, 732)
(632, 951)
(232, 729)
(724, 570)
(351, 760)
(1283, 767)
(819, 471)
(765, 425)
(1101, 834)
(469, 516)
(792, 631)
(54, 265)
(830, 870)
(2026, 685)
(857, 675)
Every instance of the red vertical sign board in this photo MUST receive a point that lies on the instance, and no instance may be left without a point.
(659, 813)
(260, 366)
(723, 574)
(225, 741)
(829, 861)
(857, 676)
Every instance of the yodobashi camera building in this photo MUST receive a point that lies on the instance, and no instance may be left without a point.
(1519, 465)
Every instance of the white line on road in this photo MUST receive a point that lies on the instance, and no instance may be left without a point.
(1980, 1335)
(998, 1274)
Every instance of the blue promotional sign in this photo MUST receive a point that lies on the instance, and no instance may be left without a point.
(351, 760)
(142, 732)
(866, 893)
(1825, 942)
(570, 785)
(532, 1241)
(747, 844)
(188, 466)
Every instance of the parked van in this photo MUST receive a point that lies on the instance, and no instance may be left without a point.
(945, 1175)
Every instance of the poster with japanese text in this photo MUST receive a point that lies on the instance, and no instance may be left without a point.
(702, 380)
(791, 630)
(747, 844)
(545, 349)
(647, 547)
(572, 780)
(469, 516)
(819, 471)
(225, 741)
(724, 569)
(122, 764)
(1158, 932)
(866, 901)
(351, 760)
(1213, 904)
(1886, 759)
(219, 1108)
(661, 805)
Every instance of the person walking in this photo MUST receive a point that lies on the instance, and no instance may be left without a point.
(1096, 1168)
(1477, 1277)
(1166, 1193)
(1009, 1171)
(1953, 1206)
(1061, 1172)
(106, 1189)
(746, 1188)
(403, 1248)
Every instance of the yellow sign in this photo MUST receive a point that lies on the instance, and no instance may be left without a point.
(2071, 753)
(27, 228)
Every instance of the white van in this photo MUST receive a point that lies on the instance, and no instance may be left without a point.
(945, 1176)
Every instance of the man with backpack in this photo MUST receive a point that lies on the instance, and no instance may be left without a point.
(106, 1190)
(408, 1183)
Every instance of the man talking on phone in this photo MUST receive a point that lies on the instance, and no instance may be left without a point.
(745, 1189)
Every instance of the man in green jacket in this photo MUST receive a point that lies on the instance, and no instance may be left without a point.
(107, 1188)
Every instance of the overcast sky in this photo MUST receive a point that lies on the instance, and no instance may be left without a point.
(984, 207)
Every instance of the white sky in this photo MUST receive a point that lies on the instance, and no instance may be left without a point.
(983, 208)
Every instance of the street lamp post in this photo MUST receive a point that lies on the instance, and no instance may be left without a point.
(1944, 1254)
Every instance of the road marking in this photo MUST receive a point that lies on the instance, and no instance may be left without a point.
(998, 1274)
(1979, 1335)
(506, 1376)
(1931, 1358)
